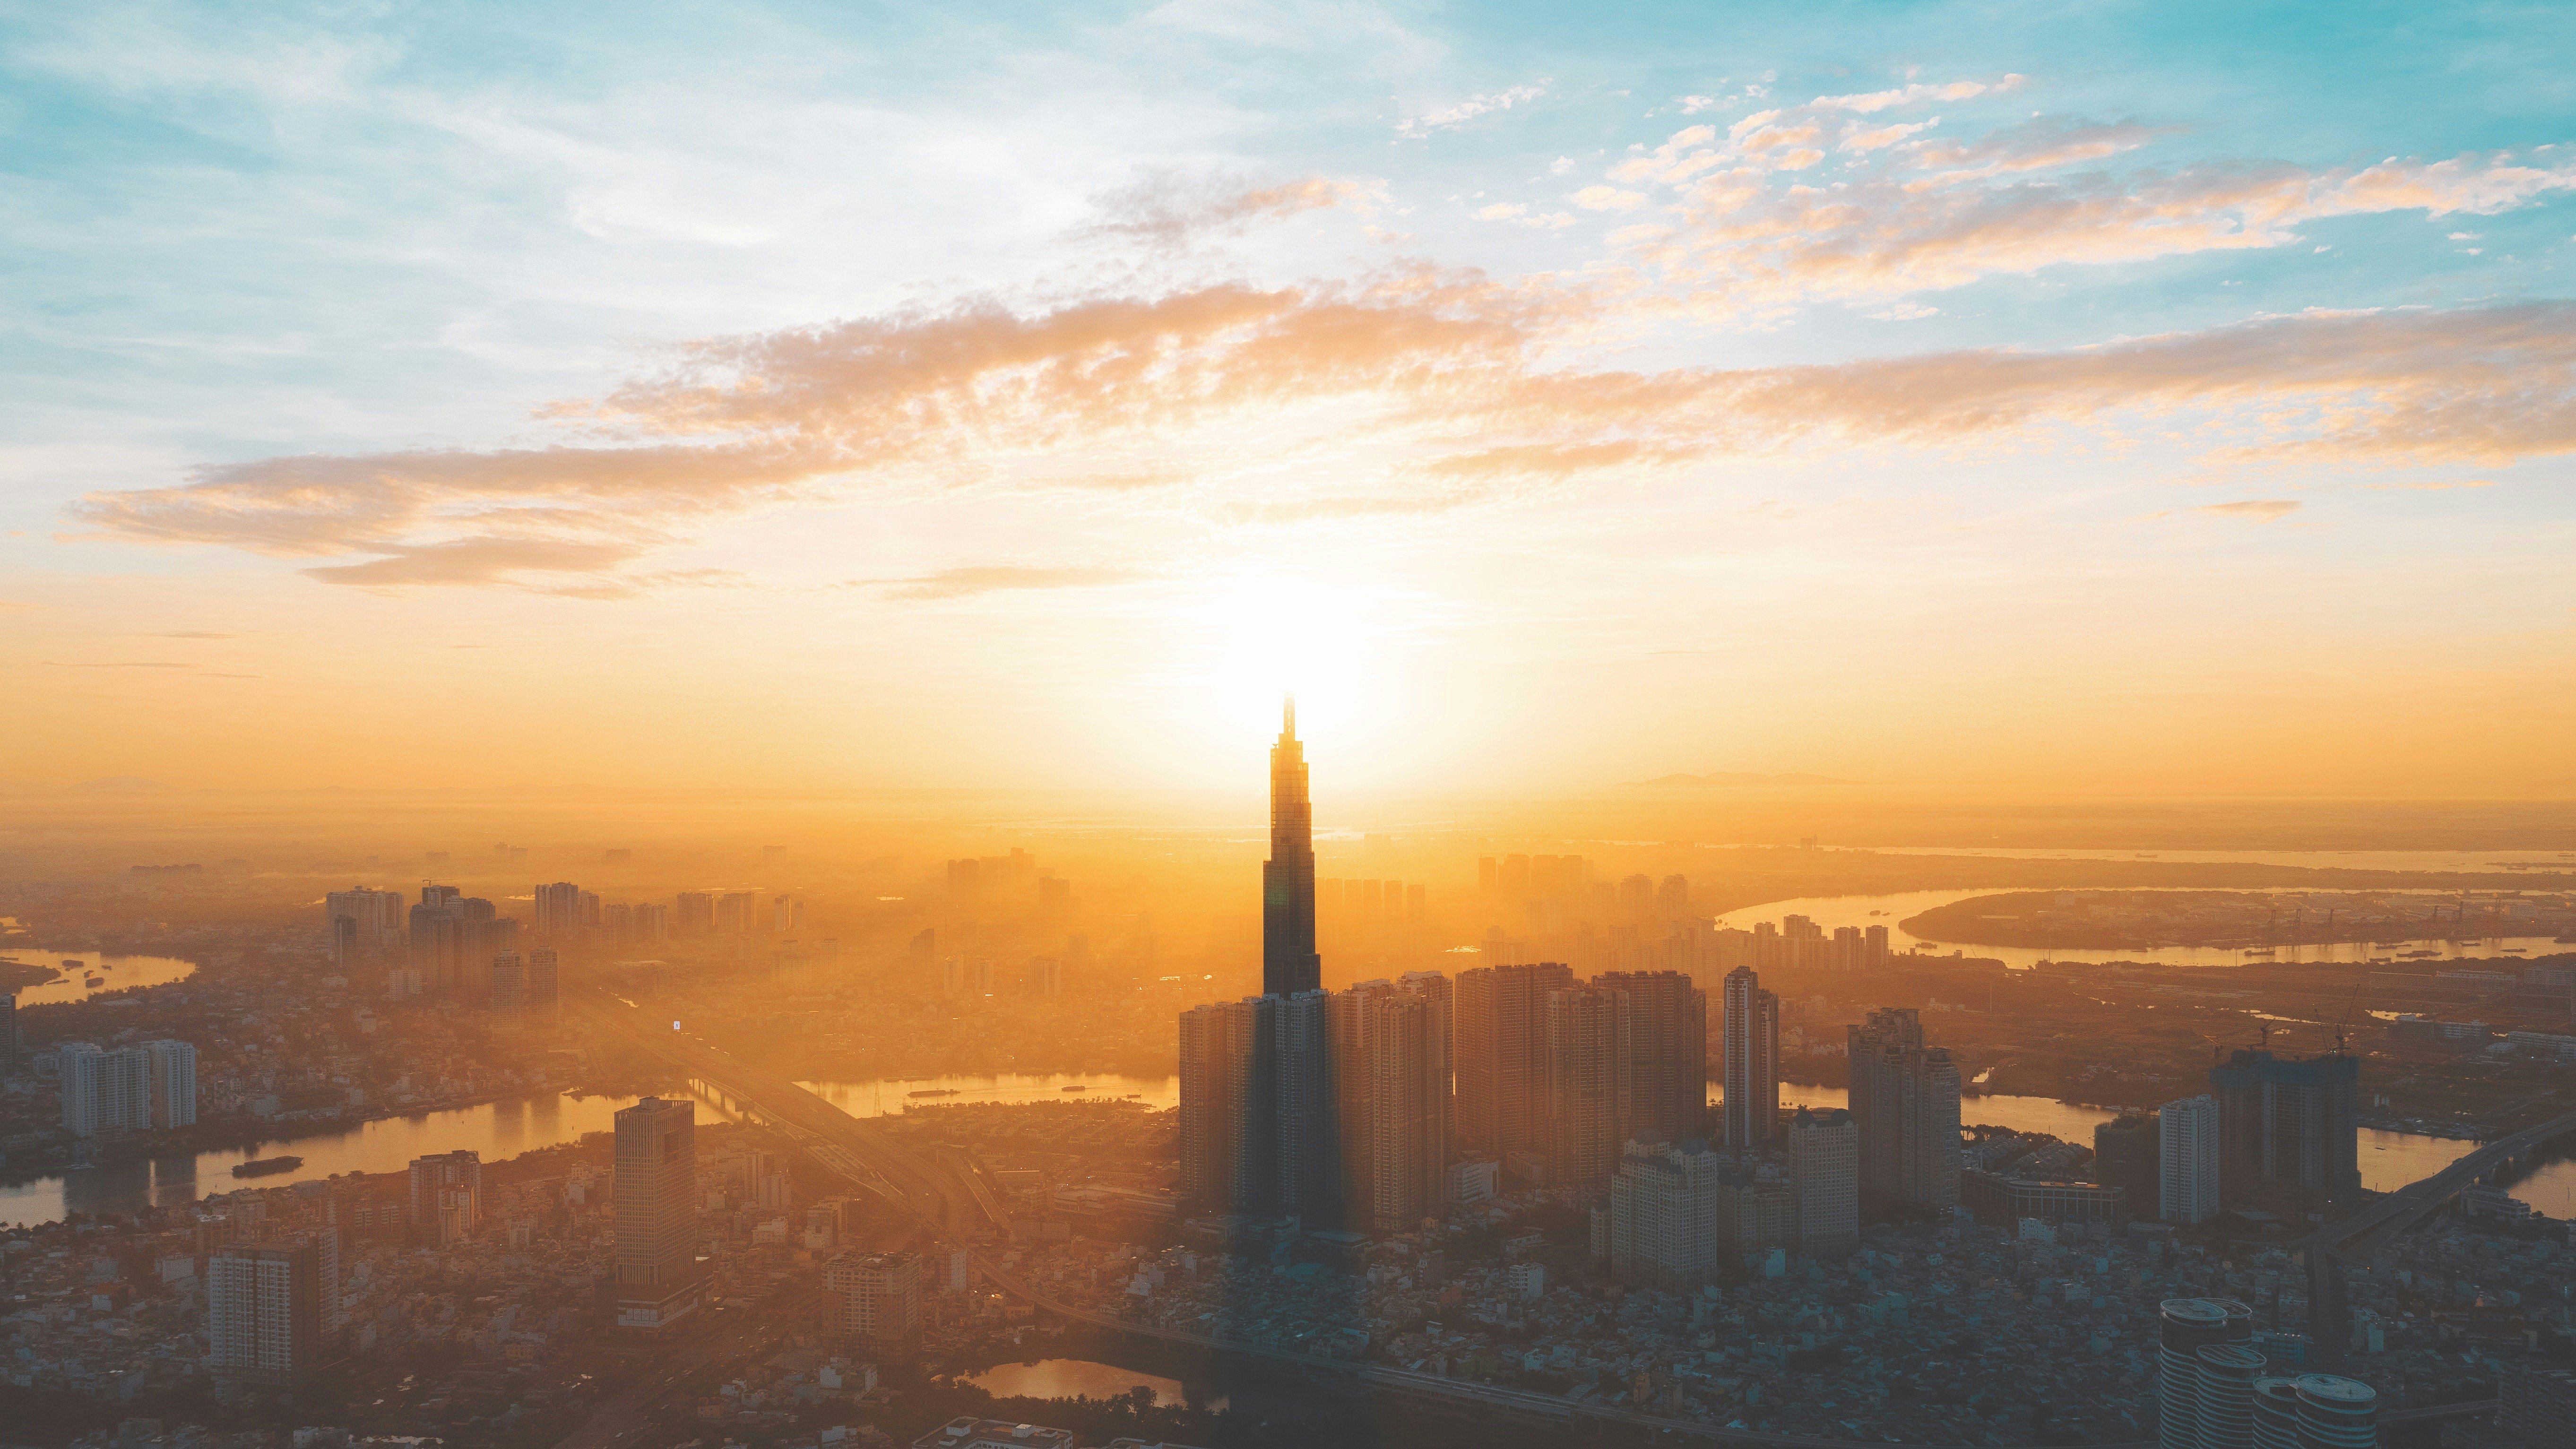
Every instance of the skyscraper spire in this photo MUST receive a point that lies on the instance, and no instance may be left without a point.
(1289, 963)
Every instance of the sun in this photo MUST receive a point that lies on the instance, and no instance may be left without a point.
(1256, 638)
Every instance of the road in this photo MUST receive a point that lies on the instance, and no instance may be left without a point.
(2329, 1246)
(942, 1194)
(615, 1422)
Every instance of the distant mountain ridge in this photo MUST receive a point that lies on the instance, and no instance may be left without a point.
(123, 785)
(1731, 780)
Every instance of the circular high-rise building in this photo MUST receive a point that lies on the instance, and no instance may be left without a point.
(2276, 1413)
(2225, 1413)
(2184, 1327)
(2337, 1413)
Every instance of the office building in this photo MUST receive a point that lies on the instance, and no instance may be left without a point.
(1228, 1160)
(507, 992)
(104, 1092)
(2184, 1327)
(544, 985)
(1751, 1061)
(1824, 1177)
(693, 913)
(2336, 1412)
(446, 1196)
(2535, 1405)
(2126, 1154)
(1304, 1109)
(1668, 1040)
(558, 912)
(171, 1067)
(1663, 1215)
(659, 1278)
(1588, 1061)
(1905, 1096)
(2276, 1412)
(1289, 963)
(2289, 1131)
(1500, 1046)
(1392, 1105)
(880, 1295)
(375, 917)
(2188, 1168)
(1757, 1210)
(452, 938)
(2223, 1395)
(267, 1308)
(1440, 998)
(2004, 1199)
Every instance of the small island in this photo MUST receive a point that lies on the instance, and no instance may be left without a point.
(2114, 920)
(16, 975)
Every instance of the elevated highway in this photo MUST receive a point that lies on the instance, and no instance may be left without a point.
(2331, 1246)
(943, 1193)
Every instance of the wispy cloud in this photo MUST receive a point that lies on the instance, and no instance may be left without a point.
(963, 582)
(119, 664)
(1871, 102)
(2253, 510)
(1469, 109)
(1440, 371)
(1174, 210)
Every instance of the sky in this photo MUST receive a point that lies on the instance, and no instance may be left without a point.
(2155, 399)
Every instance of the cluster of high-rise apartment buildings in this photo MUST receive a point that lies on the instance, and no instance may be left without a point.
(1374, 1107)
(148, 1087)
(2273, 1133)
(450, 944)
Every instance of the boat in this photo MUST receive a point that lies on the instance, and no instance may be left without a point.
(936, 1092)
(71, 963)
(264, 1166)
(93, 981)
(1076, 1087)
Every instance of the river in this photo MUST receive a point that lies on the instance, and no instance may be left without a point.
(114, 973)
(1829, 912)
(2389, 1160)
(1077, 1378)
(2471, 862)
(496, 1130)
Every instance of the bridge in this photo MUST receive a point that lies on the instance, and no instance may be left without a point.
(2330, 1247)
(940, 1191)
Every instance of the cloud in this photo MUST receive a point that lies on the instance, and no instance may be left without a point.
(2039, 144)
(1455, 386)
(1518, 214)
(485, 560)
(1469, 109)
(2439, 486)
(2258, 510)
(1607, 198)
(1858, 139)
(1875, 101)
(1172, 210)
(193, 634)
(1742, 246)
(960, 583)
(120, 664)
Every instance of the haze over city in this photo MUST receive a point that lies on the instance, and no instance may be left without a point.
(1230, 725)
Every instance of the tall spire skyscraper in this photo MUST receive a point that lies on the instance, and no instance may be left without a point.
(1288, 960)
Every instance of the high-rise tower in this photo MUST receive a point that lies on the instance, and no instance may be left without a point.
(1289, 964)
